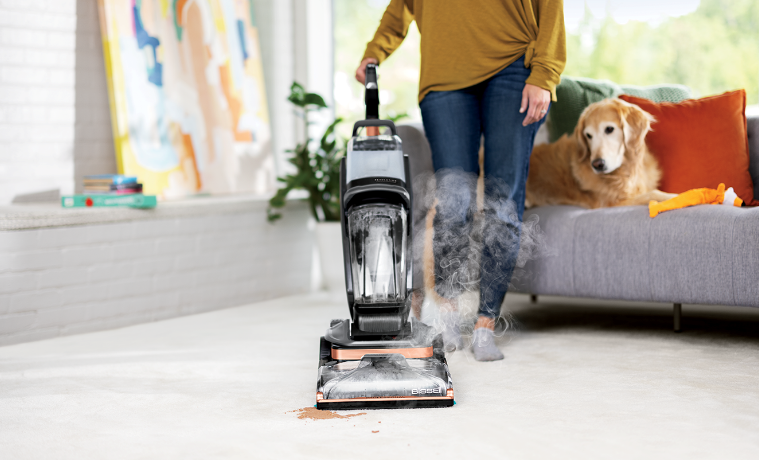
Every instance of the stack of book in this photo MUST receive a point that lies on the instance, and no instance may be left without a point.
(111, 184)
(110, 190)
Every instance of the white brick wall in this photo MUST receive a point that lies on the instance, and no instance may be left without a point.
(37, 74)
(68, 280)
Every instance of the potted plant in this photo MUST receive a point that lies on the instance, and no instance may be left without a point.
(317, 171)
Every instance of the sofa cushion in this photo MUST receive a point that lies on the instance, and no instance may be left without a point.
(574, 94)
(704, 254)
(701, 143)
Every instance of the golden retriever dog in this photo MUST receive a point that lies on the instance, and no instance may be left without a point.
(604, 163)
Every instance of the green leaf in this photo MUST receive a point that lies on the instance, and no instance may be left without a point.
(297, 94)
(399, 116)
(329, 132)
(314, 99)
(278, 200)
(272, 216)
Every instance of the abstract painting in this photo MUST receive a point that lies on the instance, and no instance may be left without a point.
(187, 95)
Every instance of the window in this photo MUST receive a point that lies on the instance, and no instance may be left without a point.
(711, 46)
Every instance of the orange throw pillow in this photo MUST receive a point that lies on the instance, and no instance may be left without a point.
(701, 143)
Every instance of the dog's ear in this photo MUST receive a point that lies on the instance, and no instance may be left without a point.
(636, 123)
(579, 135)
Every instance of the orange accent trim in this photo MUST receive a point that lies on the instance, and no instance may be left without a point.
(347, 354)
(385, 399)
(449, 393)
(320, 396)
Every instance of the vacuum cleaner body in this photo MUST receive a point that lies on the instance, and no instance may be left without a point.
(379, 358)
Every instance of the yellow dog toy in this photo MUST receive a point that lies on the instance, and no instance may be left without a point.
(694, 197)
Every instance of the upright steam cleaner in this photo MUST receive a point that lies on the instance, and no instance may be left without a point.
(379, 358)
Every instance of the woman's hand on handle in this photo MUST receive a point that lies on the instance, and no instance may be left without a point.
(535, 101)
(361, 71)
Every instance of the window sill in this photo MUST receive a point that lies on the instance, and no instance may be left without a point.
(50, 215)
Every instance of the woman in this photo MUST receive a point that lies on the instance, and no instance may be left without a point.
(488, 67)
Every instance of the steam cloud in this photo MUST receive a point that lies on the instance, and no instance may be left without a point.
(468, 223)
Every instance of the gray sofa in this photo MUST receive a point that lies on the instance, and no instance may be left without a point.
(697, 255)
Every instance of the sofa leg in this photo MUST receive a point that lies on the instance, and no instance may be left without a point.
(533, 298)
(677, 316)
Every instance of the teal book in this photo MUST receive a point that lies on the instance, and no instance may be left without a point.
(136, 200)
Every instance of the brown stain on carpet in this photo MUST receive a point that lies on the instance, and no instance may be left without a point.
(312, 413)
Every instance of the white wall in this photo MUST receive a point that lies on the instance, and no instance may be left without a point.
(37, 96)
(69, 280)
(54, 117)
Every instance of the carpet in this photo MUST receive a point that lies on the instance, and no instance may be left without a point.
(581, 379)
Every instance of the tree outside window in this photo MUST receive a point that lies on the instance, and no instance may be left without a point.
(712, 46)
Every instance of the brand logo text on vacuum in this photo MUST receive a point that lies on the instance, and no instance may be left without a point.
(380, 179)
(426, 392)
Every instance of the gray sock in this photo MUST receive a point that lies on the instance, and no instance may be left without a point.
(483, 345)
(451, 331)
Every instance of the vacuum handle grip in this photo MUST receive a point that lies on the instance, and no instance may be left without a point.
(371, 92)
(371, 76)
(367, 123)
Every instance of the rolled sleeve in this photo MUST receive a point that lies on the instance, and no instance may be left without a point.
(550, 55)
(391, 31)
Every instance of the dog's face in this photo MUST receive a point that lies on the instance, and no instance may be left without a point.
(610, 132)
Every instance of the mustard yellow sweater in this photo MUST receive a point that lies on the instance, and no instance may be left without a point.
(465, 42)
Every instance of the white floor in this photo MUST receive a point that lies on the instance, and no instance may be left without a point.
(581, 379)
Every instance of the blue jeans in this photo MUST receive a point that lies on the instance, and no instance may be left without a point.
(454, 121)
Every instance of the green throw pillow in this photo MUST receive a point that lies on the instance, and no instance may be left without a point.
(574, 94)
